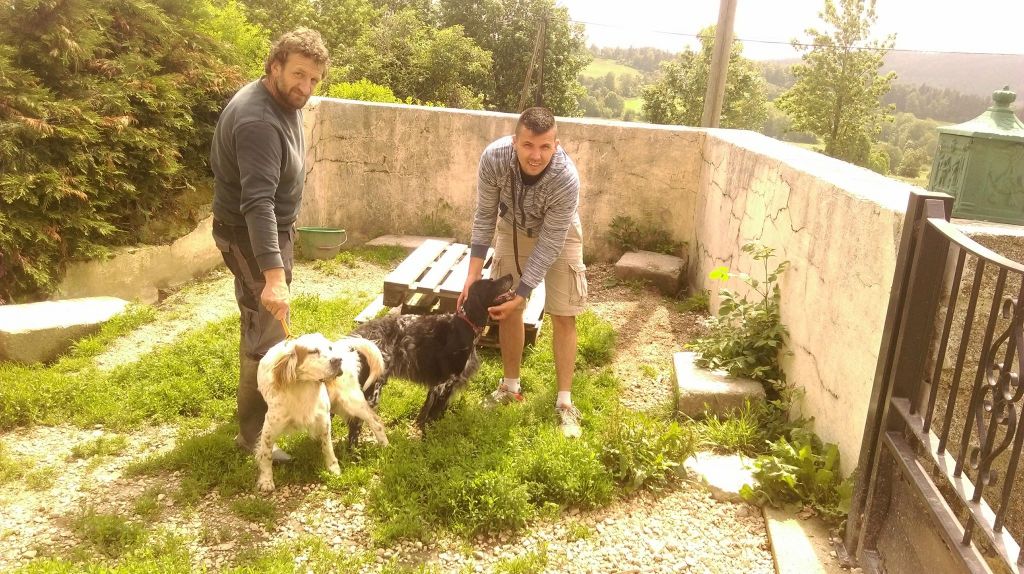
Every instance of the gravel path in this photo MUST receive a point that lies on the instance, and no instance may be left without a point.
(679, 530)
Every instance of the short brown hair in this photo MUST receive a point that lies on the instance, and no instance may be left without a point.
(303, 41)
(538, 120)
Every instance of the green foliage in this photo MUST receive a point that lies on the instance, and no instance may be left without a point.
(698, 302)
(106, 112)
(421, 63)
(162, 552)
(12, 467)
(317, 556)
(100, 446)
(147, 505)
(508, 29)
(363, 90)
(838, 90)
(804, 471)
(639, 450)
(258, 510)
(532, 562)
(629, 235)
(108, 534)
(738, 432)
(746, 337)
(250, 43)
(677, 97)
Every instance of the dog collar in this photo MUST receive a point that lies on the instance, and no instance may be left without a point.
(461, 314)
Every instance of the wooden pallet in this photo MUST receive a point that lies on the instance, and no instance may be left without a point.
(430, 280)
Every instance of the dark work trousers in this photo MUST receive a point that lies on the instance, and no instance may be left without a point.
(259, 329)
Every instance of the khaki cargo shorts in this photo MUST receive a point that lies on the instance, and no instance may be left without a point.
(565, 285)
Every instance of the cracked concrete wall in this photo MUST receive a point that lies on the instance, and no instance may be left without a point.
(838, 225)
(379, 169)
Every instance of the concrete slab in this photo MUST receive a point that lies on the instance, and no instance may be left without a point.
(663, 271)
(723, 474)
(39, 332)
(713, 391)
(407, 242)
(801, 546)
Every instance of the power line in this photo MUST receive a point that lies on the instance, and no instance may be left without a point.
(799, 44)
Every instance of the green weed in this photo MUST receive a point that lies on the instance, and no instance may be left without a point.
(100, 446)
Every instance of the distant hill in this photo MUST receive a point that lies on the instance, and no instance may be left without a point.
(978, 74)
(600, 67)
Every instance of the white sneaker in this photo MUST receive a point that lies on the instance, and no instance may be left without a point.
(569, 421)
(503, 396)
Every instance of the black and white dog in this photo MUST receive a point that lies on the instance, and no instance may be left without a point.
(438, 351)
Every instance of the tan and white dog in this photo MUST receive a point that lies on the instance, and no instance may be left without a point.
(303, 381)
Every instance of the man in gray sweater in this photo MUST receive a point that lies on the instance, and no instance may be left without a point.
(257, 157)
(528, 189)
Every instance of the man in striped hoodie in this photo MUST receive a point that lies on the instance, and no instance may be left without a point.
(528, 195)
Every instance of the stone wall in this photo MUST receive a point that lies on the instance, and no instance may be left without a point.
(377, 169)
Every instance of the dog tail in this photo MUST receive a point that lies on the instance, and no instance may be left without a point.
(369, 350)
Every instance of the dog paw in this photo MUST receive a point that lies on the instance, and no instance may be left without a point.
(334, 469)
(265, 484)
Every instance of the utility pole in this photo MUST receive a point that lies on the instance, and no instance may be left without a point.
(715, 94)
(538, 52)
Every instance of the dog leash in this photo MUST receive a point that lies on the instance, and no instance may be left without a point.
(287, 331)
(515, 234)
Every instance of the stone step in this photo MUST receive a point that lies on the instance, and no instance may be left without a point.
(663, 271)
(801, 545)
(40, 332)
(713, 391)
(407, 242)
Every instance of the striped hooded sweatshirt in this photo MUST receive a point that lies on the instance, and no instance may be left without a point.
(544, 210)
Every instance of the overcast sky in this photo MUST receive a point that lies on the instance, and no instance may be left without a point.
(928, 25)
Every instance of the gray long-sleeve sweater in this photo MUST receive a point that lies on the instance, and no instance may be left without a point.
(544, 210)
(257, 157)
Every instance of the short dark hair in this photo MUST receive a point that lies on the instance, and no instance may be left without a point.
(303, 41)
(538, 120)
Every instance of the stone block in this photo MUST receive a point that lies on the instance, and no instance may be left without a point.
(407, 242)
(663, 271)
(40, 332)
(724, 475)
(716, 390)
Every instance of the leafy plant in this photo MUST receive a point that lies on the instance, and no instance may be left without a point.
(628, 235)
(696, 303)
(746, 337)
(109, 534)
(642, 452)
(801, 470)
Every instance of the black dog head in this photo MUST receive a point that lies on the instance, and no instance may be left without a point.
(491, 292)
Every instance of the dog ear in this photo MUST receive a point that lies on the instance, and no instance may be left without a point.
(284, 367)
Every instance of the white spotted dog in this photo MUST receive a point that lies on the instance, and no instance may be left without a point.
(304, 381)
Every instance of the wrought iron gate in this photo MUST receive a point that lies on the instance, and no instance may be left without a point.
(944, 429)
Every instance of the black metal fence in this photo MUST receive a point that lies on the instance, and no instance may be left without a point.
(945, 415)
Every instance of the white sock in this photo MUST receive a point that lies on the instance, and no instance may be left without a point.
(511, 385)
(564, 399)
